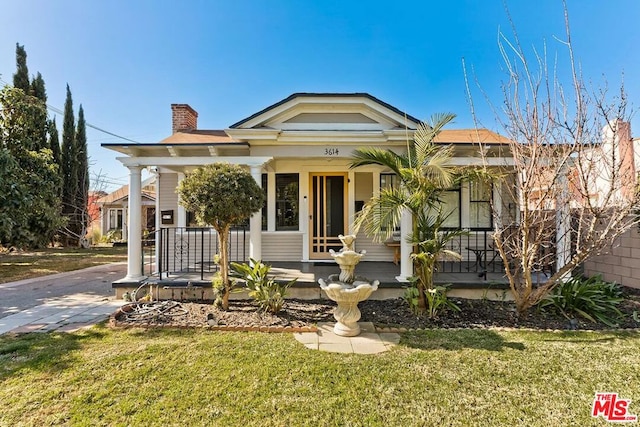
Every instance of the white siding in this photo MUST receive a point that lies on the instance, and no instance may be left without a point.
(375, 251)
(282, 246)
(167, 196)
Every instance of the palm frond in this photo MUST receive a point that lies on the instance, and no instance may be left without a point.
(375, 156)
(381, 215)
(426, 133)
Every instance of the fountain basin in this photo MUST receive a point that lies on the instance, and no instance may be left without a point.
(347, 296)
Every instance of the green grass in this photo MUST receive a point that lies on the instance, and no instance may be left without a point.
(187, 377)
(26, 265)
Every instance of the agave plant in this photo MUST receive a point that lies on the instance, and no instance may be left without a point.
(265, 290)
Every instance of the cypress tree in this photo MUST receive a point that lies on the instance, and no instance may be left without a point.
(41, 117)
(21, 77)
(37, 88)
(68, 162)
(54, 141)
(54, 145)
(82, 194)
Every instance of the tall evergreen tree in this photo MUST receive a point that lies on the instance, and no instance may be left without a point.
(54, 140)
(21, 77)
(82, 194)
(37, 88)
(68, 161)
(41, 117)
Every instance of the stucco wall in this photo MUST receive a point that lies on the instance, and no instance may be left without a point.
(621, 264)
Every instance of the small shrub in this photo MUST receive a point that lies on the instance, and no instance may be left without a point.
(592, 298)
(113, 235)
(436, 299)
(411, 296)
(266, 291)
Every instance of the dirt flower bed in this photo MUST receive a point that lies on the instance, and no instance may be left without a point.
(387, 313)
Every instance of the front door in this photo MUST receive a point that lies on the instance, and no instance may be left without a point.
(328, 214)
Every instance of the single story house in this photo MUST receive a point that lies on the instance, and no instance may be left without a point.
(298, 150)
(113, 210)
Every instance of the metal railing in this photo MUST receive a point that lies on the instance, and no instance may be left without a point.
(190, 251)
(479, 254)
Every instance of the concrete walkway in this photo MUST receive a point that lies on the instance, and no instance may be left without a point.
(368, 342)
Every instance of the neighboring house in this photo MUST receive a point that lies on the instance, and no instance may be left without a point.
(113, 210)
(94, 210)
(299, 151)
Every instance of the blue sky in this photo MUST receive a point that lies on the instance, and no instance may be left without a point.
(127, 61)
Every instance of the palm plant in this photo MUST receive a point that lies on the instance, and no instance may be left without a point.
(424, 172)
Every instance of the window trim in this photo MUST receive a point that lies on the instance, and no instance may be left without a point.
(481, 201)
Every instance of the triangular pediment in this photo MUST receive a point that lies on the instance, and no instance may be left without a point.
(329, 112)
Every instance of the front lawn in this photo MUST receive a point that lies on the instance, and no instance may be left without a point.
(36, 263)
(190, 377)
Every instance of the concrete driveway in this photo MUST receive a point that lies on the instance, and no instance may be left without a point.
(65, 301)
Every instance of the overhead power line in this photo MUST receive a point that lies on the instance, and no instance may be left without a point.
(58, 111)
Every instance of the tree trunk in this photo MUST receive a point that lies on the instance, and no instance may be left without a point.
(223, 237)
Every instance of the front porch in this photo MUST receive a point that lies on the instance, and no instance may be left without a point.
(178, 264)
(194, 285)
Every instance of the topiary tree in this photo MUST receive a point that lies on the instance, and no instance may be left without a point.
(221, 195)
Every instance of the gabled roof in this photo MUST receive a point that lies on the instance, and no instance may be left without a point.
(121, 194)
(469, 136)
(301, 95)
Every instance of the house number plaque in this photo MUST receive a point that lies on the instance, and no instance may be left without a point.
(331, 152)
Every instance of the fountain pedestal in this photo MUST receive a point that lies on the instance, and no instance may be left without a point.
(347, 290)
(347, 297)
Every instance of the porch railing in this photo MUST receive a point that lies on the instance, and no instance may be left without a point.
(191, 251)
(479, 254)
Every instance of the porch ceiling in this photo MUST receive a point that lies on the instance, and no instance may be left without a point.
(182, 162)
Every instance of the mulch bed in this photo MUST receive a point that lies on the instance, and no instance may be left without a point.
(303, 315)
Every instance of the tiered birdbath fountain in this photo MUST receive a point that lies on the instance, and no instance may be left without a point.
(346, 289)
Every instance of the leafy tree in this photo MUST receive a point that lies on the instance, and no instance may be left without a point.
(424, 172)
(14, 197)
(21, 77)
(28, 187)
(19, 129)
(221, 195)
(44, 209)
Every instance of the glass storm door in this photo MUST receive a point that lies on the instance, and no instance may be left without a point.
(328, 215)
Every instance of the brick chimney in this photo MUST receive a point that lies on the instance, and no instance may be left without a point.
(183, 118)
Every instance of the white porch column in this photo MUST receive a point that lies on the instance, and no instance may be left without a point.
(351, 198)
(158, 220)
(271, 201)
(125, 218)
(406, 228)
(134, 224)
(255, 223)
(182, 213)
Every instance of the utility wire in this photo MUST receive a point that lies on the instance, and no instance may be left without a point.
(58, 111)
